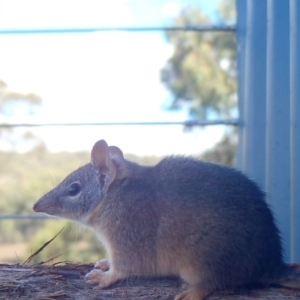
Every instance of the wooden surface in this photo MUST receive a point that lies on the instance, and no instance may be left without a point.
(66, 282)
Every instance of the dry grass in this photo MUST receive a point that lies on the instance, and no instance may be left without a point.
(66, 281)
(48, 280)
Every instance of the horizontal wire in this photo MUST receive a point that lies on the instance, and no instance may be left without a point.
(27, 216)
(230, 28)
(185, 123)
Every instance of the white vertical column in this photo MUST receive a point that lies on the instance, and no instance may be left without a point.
(241, 8)
(254, 142)
(295, 128)
(278, 116)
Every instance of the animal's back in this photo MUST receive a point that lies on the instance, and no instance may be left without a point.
(219, 220)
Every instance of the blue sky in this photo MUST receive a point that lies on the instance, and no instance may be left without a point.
(97, 77)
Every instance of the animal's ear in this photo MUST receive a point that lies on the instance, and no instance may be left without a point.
(101, 160)
(115, 151)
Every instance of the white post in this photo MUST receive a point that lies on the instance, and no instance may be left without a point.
(268, 40)
(278, 116)
(295, 129)
(254, 93)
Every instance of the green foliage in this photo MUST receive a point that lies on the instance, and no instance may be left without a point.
(74, 243)
(24, 178)
(9, 100)
(8, 96)
(223, 152)
(202, 69)
(202, 73)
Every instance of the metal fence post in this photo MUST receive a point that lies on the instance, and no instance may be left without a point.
(295, 129)
(269, 72)
(278, 116)
(252, 89)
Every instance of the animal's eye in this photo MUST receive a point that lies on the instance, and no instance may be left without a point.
(74, 189)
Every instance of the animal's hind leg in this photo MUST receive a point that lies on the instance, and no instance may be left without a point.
(196, 290)
(193, 293)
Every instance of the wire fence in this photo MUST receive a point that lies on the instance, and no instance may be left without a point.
(25, 216)
(188, 123)
(184, 123)
(225, 28)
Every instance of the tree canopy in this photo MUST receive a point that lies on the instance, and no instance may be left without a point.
(8, 100)
(8, 95)
(201, 73)
(202, 68)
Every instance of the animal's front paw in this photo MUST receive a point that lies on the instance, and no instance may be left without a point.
(100, 279)
(102, 264)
